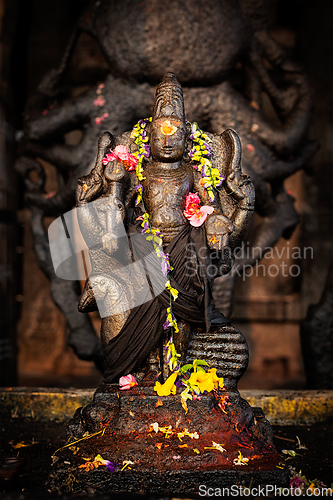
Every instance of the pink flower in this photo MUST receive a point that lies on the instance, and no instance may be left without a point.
(100, 101)
(121, 153)
(109, 157)
(192, 205)
(200, 216)
(193, 212)
(132, 162)
(126, 382)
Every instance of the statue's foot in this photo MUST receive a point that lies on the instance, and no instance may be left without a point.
(96, 415)
(91, 418)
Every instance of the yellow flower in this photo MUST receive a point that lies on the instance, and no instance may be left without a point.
(216, 379)
(173, 291)
(205, 381)
(185, 395)
(168, 387)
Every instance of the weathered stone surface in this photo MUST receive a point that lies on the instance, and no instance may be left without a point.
(163, 460)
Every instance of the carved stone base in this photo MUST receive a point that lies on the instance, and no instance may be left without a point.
(173, 464)
(224, 348)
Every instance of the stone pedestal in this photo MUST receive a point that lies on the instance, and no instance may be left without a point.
(171, 461)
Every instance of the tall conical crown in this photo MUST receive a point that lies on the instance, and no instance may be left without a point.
(169, 99)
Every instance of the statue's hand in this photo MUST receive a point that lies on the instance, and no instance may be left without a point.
(93, 185)
(89, 188)
(218, 228)
(240, 187)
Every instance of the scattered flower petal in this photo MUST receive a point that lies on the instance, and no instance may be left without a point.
(20, 445)
(185, 432)
(168, 387)
(100, 101)
(155, 427)
(291, 453)
(126, 382)
(216, 446)
(241, 460)
(299, 445)
(126, 463)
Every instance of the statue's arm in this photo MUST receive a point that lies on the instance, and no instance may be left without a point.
(237, 195)
(91, 187)
(227, 226)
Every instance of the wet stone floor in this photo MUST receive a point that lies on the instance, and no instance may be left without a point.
(26, 448)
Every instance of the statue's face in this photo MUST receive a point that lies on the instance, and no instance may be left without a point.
(167, 140)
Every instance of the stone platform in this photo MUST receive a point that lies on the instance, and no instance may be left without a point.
(166, 449)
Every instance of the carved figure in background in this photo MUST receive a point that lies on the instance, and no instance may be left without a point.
(197, 247)
(236, 36)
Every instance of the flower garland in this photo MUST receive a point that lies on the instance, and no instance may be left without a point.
(201, 154)
(140, 136)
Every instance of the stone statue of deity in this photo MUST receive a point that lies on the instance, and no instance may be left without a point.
(163, 212)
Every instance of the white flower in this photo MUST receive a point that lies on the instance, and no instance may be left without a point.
(241, 460)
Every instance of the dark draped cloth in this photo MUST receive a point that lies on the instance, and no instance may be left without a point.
(190, 259)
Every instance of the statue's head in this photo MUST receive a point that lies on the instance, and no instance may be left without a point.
(168, 127)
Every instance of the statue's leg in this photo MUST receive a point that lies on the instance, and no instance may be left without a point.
(224, 348)
(157, 362)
